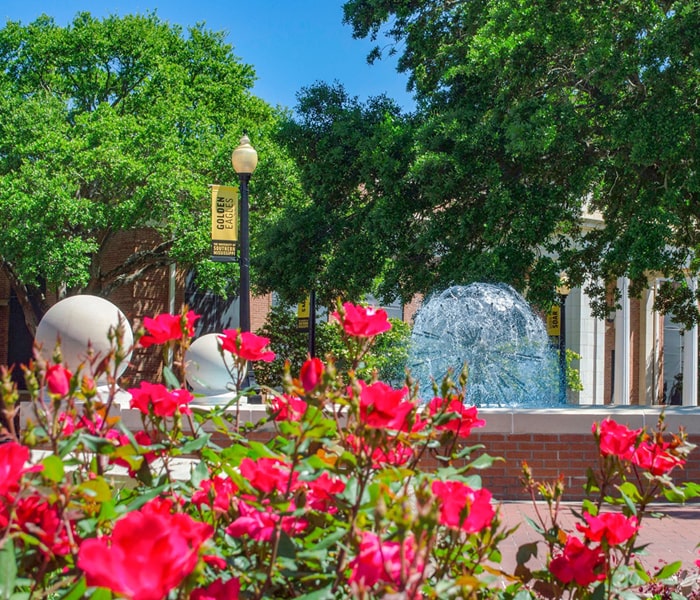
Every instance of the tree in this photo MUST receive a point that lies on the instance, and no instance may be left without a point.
(340, 237)
(530, 112)
(116, 125)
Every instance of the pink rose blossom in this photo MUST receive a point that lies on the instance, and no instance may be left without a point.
(578, 563)
(246, 345)
(165, 328)
(463, 508)
(655, 458)
(614, 439)
(149, 553)
(158, 400)
(218, 590)
(310, 374)
(379, 561)
(615, 528)
(58, 380)
(362, 321)
(460, 418)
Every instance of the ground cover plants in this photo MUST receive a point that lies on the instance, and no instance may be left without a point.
(334, 503)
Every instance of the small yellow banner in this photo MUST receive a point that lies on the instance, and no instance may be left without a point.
(224, 223)
(553, 321)
(303, 313)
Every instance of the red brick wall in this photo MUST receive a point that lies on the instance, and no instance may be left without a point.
(548, 456)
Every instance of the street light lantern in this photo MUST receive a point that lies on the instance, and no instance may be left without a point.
(244, 158)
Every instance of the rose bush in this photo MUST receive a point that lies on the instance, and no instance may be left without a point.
(335, 503)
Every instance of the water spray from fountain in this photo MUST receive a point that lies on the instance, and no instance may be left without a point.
(492, 329)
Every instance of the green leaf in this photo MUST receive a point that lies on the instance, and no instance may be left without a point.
(195, 444)
(668, 570)
(483, 461)
(97, 489)
(199, 474)
(53, 468)
(76, 591)
(526, 552)
(101, 594)
(8, 569)
(171, 379)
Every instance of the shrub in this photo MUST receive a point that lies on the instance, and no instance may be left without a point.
(335, 504)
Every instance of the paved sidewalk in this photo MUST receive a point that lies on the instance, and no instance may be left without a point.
(669, 538)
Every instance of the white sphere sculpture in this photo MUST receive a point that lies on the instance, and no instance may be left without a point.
(206, 371)
(79, 320)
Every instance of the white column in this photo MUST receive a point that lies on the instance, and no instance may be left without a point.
(648, 347)
(621, 391)
(690, 359)
(585, 335)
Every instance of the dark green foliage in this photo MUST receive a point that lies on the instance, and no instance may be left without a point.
(116, 125)
(528, 114)
(388, 355)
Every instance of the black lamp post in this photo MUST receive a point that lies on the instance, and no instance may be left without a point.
(563, 292)
(244, 160)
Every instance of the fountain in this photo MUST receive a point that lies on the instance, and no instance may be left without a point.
(492, 329)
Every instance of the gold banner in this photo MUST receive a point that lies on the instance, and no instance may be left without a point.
(553, 321)
(303, 313)
(224, 223)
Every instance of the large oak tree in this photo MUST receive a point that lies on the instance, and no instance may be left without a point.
(527, 114)
(114, 125)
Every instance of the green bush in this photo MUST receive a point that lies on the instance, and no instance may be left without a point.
(388, 356)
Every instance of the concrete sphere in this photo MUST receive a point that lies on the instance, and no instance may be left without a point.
(206, 371)
(78, 320)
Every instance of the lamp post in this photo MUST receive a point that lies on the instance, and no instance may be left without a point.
(563, 291)
(244, 160)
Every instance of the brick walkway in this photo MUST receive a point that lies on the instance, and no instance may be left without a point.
(670, 538)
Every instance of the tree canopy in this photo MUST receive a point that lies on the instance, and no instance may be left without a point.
(114, 125)
(528, 114)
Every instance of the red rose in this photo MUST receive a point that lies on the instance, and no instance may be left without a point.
(615, 439)
(454, 415)
(321, 492)
(36, 517)
(463, 508)
(218, 590)
(362, 321)
(259, 525)
(615, 528)
(217, 493)
(655, 458)
(379, 561)
(13, 457)
(58, 380)
(268, 475)
(288, 408)
(165, 328)
(310, 374)
(156, 398)
(578, 563)
(246, 345)
(383, 407)
(149, 553)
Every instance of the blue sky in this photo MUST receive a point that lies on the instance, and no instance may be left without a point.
(290, 43)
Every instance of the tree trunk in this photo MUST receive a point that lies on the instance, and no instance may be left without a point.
(32, 315)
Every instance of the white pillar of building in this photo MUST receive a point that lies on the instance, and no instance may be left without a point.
(585, 335)
(649, 347)
(622, 370)
(690, 359)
